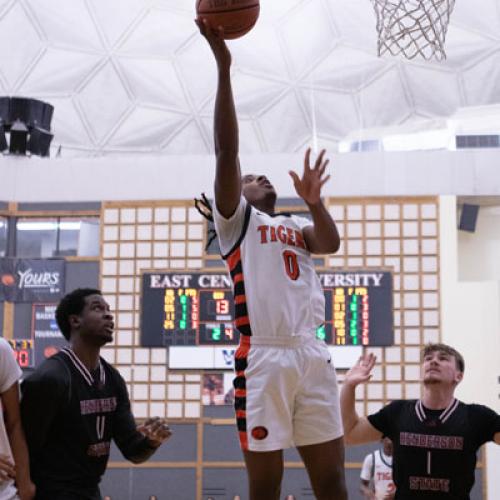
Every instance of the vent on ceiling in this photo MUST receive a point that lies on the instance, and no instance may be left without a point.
(477, 141)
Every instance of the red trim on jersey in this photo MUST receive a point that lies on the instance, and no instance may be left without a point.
(245, 342)
(238, 278)
(233, 259)
(243, 350)
(242, 353)
(240, 299)
(234, 264)
(242, 321)
(243, 440)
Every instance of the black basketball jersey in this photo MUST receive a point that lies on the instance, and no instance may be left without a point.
(435, 451)
(70, 417)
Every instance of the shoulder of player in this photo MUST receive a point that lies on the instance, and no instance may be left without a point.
(399, 408)
(477, 410)
(399, 405)
(53, 372)
(6, 354)
(112, 371)
(4, 345)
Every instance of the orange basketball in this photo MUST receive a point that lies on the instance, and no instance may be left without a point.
(237, 17)
(8, 280)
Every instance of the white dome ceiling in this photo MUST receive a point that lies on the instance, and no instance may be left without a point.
(135, 76)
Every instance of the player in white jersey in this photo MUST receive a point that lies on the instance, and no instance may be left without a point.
(376, 473)
(284, 375)
(15, 482)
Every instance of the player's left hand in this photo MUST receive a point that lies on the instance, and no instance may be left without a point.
(313, 179)
(156, 430)
(215, 38)
(361, 371)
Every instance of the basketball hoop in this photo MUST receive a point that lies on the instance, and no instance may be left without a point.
(413, 27)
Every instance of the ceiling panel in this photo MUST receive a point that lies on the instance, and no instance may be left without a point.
(135, 76)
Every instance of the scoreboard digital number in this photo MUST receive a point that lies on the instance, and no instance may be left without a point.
(45, 341)
(189, 309)
(23, 352)
(199, 316)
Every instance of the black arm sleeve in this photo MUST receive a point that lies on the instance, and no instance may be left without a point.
(385, 420)
(133, 445)
(486, 422)
(43, 393)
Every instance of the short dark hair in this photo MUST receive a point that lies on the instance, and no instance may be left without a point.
(459, 359)
(72, 303)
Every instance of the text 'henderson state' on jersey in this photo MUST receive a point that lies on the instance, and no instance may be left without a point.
(435, 450)
(283, 293)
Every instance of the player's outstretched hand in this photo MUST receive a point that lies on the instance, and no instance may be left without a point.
(215, 39)
(156, 430)
(313, 179)
(361, 371)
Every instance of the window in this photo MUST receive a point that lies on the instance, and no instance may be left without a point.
(3, 236)
(57, 237)
(36, 237)
(79, 237)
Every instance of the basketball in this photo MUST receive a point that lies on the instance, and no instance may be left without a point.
(237, 17)
(8, 280)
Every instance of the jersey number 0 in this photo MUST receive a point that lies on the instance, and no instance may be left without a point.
(291, 264)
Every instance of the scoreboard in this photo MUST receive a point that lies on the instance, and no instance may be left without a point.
(23, 352)
(358, 309)
(196, 309)
(187, 309)
(46, 339)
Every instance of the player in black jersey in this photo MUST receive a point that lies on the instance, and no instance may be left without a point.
(435, 438)
(75, 403)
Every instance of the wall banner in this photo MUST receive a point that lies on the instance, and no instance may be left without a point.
(32, 280)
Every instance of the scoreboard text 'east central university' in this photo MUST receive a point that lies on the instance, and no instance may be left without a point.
(196, 308)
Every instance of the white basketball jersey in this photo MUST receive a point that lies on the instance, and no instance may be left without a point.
(277, 292)
(380, 472)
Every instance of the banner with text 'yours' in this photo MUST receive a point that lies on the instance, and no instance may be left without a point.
(32, 280)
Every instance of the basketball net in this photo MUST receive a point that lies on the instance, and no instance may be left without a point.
(413, 27)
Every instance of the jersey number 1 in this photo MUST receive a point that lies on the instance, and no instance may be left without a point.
(291, 264)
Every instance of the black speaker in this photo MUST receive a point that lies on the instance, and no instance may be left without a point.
(27, 123)
(5, 110)
(468, 217)
(19, 109)
(39, 142)
(18, 138)
(3, 140)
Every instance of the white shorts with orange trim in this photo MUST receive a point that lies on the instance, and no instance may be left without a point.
(289, 396)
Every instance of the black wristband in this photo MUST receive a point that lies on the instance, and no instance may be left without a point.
(151, 445)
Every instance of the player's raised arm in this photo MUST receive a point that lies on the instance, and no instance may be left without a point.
(322, 236)
(228, 176)
(357, 429)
